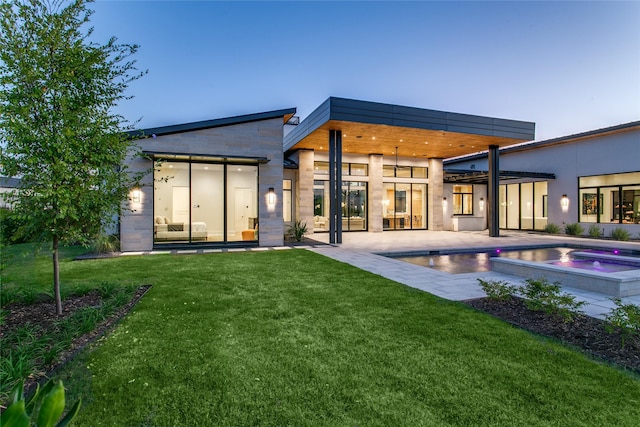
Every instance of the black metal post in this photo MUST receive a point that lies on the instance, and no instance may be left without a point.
(493, 192)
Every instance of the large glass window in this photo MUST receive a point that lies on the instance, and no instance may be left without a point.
(404, 171)
(242, 197)
(611, 198)
(354, 206)
(463, 199)
(523, 206)
(320, 205)
(193, 205)
(404, 206)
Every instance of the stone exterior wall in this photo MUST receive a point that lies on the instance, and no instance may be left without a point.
(253, 139)
(434, 195)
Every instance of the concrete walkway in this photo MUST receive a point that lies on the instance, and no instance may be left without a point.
(363, 250)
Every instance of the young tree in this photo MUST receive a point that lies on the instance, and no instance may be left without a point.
(58, 131)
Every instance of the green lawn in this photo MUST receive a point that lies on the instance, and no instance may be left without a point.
(293, 338)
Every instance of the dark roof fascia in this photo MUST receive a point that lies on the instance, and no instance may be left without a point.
(290, 164)
(207, 124)
(193, 156)
(481, 177)
(367, 112)
(535, 144)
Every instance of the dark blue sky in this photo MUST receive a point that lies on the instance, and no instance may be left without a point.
(568, 66)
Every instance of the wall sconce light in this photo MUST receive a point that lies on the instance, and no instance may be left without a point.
(481, 203)
(564, 203)
(444, 203)
(271, 196)
(136, 196)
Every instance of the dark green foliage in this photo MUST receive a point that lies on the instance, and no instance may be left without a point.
(10, 227)
(498, 290)
(297, 230)
(624, 318)
(104, 244)
(43, 409)
(595, 231)
(552, 228)
(574, 229)
(544, 296)
(57, 93)
(620, 234)
(28, 349)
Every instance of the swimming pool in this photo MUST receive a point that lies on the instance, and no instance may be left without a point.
(458, 263)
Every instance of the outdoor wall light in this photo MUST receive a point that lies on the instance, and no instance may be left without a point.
(136, 196)
(444, 203)
(564, 203)
(271, 196)
(481, 203)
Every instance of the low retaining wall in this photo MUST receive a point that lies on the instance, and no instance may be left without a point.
(620, 284)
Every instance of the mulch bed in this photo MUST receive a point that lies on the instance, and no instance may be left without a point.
(584, 332)
(43, 315)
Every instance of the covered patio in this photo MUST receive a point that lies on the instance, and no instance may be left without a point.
(384, 132)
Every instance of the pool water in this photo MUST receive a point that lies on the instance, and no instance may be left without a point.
(600, 266)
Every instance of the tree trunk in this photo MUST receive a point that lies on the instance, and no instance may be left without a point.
(56, 277)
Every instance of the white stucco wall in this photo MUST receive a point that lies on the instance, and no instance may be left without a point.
(602, 154)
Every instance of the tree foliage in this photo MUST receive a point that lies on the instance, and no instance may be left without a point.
(58, 130)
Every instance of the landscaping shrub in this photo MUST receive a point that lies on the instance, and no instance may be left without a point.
(10, 225)
(574, 229)
(499, 290)
(106, 244)
(624, 318)
(595, 231)
(620, 234)
(297, 230)
(552, 228)
(544, 296)
(30, 349)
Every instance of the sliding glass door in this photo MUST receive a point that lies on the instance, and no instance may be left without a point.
(198, 202)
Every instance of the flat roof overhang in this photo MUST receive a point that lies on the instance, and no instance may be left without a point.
(375, 128)
(461, 176)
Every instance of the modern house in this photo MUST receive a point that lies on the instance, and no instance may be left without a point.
(358, 166)
(592, 178)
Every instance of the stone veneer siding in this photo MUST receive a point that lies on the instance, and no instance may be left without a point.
(434, 195)
(253, 139)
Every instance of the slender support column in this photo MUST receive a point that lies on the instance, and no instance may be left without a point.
(435, 215)
(338, 186)
(304, 189)
(376, 193)
(493, 192)
(332, 186)
(335, 186)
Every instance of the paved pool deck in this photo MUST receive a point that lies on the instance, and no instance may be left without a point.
(367, 250)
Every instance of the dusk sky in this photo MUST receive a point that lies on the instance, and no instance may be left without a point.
(567, 66)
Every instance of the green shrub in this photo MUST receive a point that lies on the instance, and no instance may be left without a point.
(574, 229)
(10, 226)
(498, 290)
(297, 230)
(106, 244)
(595, 231)
(44, 409)
(552, 228)
(620, 234)
(544, 296)
(624, 318)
